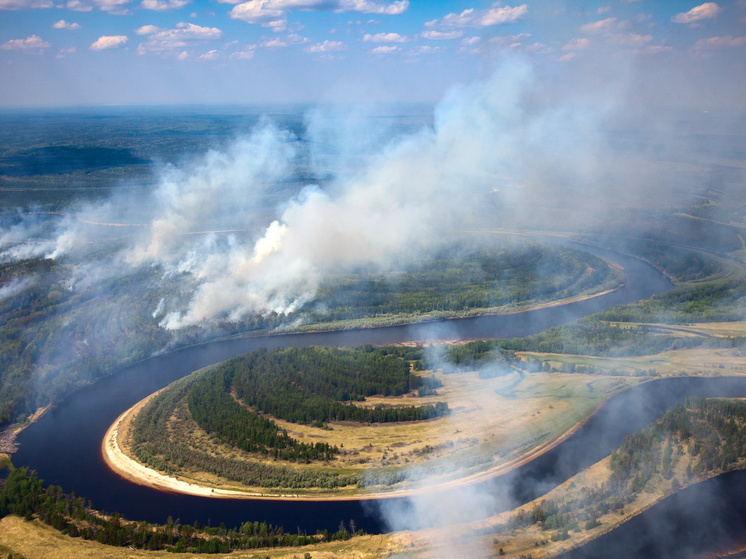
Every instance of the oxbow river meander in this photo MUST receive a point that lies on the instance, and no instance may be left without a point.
(64, 446)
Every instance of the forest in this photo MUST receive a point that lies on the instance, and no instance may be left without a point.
(27, 496)
(711, 433)
(310, 386)
(154, 446)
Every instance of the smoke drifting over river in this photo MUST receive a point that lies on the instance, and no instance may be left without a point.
(498, 155)
(495, 157)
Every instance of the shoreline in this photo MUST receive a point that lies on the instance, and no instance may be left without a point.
(135, 472)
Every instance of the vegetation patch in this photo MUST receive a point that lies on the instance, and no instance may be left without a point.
(690, 443)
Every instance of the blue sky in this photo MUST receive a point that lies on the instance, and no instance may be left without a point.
(113, 52)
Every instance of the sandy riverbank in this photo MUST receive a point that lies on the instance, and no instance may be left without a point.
(129, 468)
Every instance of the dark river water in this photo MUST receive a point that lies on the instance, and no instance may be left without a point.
(64, 445)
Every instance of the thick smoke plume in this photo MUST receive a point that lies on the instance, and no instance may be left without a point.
(492, 148)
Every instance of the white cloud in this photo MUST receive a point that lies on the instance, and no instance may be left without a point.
(372, 7)
(273, 43)
(164, 6)
(182, 35)
(470, 41)
(725, 41)
(567, 57)
(109, 42)
(24, 4)
(603, 10)
(424, 49)
(657, 49)
(292, 39)
(441, 35)
(64, 52)
(385, 49)
(384, 38)
(576, 44)
(32, 44)
(494, 15)
(246, 54)
(707, 10)
(274, 13)
(210, 55)
(78, 6)
(116, 7)
(629, 39)
(62, 24)
(603, 26)
(147, 30)
(511, 39)
(327, 46)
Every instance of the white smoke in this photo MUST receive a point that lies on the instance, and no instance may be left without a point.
(496, 156)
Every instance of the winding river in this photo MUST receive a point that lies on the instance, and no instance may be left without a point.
(64, 446)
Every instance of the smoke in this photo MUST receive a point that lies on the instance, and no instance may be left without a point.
(416, 191)
(497, 155)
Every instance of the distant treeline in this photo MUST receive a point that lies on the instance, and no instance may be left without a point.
(716, 301)
(26, 496)
(587, 336)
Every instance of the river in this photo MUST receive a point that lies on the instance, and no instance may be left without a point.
(64, 445)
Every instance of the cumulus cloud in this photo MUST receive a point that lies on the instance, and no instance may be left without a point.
(32, 44)
(24, 4)
(64, 52)
(576, 44)
(385, 49)
(494, 15)
(164, 6)
(327, 46)
(247, 53)
(602, 26)
(274, 13)
(629, 39)
(434, 35)
(109, 42)
(384, 38)
(62, 24)
(724, 41)
(210, 55)
(424, 49)
(147, 30)
(78, 6)
(182, 35)
(116, 7)
(708, 10)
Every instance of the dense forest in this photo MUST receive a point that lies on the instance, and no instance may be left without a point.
(153, 445)
(318, 374)
(25, 495)
(311, 386)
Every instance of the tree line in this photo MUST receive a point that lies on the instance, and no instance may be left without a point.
(26, 495)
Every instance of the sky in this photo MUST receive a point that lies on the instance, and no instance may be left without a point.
(142, 52)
